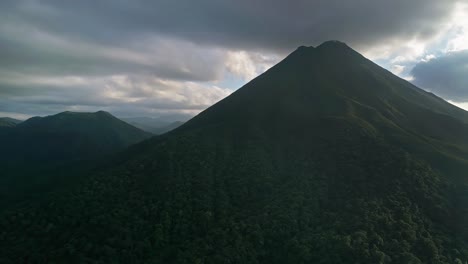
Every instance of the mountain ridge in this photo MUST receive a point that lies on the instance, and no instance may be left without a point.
(90, 124)
(9, 122)
(324, 158)
(43, 154)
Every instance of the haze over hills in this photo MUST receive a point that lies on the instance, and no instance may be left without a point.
(156, 126)
(40, 151)
(324, 158)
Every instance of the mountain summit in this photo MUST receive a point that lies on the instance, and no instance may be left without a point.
(324, 158)
(333, 80)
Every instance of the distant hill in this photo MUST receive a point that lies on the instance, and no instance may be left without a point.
(9, 122)
(324, 158)
(34, 152)
(156, 126)
(102, 128)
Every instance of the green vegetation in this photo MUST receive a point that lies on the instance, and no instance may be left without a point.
(156, 126)
(42, 154)
(325, 158)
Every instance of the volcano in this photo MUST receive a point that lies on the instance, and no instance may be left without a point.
(324, 158)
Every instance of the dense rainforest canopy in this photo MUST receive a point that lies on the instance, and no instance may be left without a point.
(325, 158)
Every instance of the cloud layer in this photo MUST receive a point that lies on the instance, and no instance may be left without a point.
(257, 24)
(152, 57)
(446, 76)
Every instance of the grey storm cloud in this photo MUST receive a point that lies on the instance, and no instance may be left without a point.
(167, 50)
(257, 24)
(37, 52)
(446, 76)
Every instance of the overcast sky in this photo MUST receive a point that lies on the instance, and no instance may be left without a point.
(152, 58)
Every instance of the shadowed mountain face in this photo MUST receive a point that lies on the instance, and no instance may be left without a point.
(68, 136)
(325, 158)
(333, 80)
(37, 151)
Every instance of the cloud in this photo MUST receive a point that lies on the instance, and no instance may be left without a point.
(145, 93)
(243, 24)
(29, 50)
(248, 65)
(147, 57)
(447, 76)
(397, 69)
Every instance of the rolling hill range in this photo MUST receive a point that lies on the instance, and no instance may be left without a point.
(38, 151)
(9, 122)
(324, 158)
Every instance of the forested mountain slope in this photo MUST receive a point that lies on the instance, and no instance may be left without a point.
(45, 152)
(8, 122)
(325, 158)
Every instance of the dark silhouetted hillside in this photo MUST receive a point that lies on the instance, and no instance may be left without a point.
(41, 152)
(9, 122)
(324, 158)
